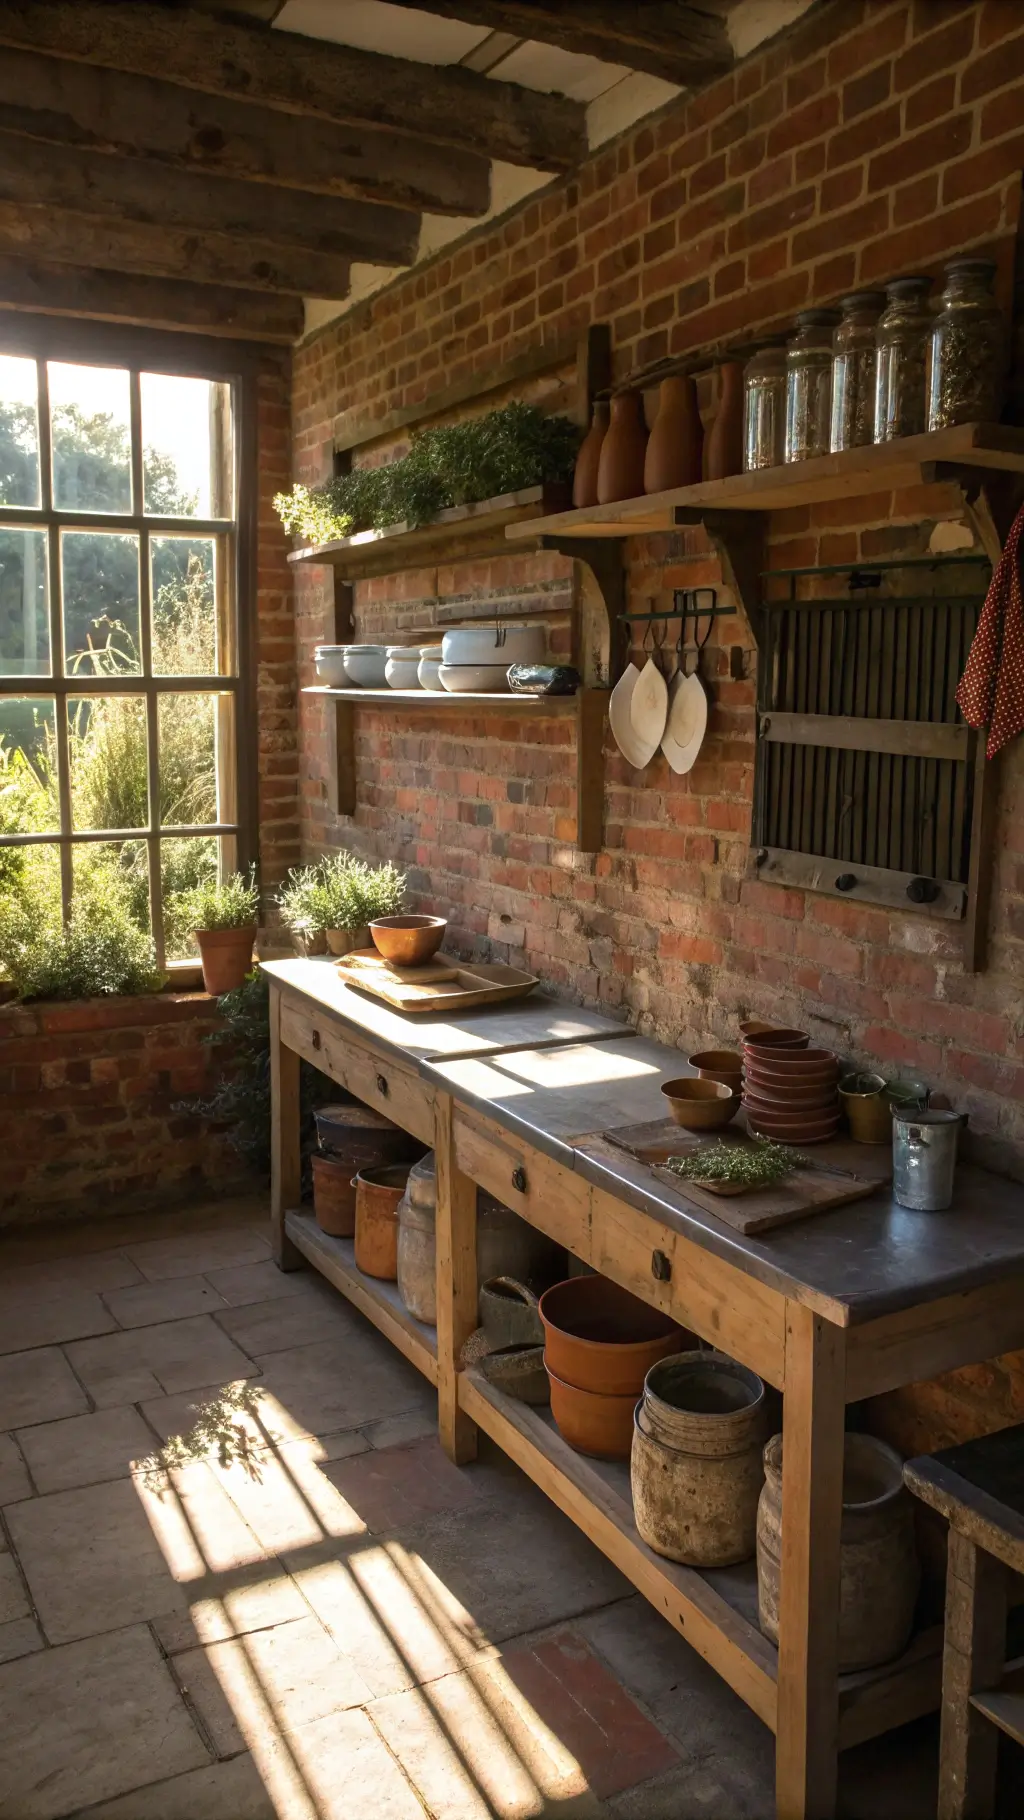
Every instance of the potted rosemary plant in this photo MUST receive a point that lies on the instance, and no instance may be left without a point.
(222, 917)
(331, 904)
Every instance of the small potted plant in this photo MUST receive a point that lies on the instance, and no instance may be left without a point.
(222, 917)
(333, 902)
(303, 909)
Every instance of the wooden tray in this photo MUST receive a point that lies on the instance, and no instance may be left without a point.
(836, 1176)
(441, 985)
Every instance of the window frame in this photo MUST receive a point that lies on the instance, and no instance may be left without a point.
(140, 351)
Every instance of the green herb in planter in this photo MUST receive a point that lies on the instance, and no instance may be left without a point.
(232, 905)
(340, 892)
(757, 1165)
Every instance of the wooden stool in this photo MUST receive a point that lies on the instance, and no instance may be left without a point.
(980, 1488)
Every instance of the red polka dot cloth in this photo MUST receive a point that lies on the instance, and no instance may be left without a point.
(991, 691)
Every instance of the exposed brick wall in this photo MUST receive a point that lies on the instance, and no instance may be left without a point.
(89, 1098)
(277, 720)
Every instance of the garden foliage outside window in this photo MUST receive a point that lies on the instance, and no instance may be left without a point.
(118, 641)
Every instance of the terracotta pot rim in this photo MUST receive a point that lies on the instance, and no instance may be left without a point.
(619, 1349)
(605, 1397)
(240, 930)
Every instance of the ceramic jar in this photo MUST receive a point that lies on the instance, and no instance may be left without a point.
(854, 370)
(620, 473)
(809, 386)
(696, 1466)
(968, 349)
(723, 449)
(764, 409)
(902, 336)
(402, 668)
(584, 484)
(676, 442)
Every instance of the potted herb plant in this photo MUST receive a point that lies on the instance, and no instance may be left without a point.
(222, 917)
(333, 902)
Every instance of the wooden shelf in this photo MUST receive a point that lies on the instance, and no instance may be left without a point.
(904, 463)
(714, 1610)
(379, 1301)
(456, 534)
(437, 698)
(1004, 1705)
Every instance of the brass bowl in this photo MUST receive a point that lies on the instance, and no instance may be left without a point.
(699, 1105)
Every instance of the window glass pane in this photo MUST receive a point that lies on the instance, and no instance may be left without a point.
(19, 432)
(187, 446)
(184, 864)
(109, 761)
(90, 427)
(113, 873)
(100, 575)
(188, 775)
(29, 799)
(184, 617)
(24, 604)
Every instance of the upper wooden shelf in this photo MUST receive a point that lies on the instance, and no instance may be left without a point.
(509, 700)
(881, 468)
(474, 530)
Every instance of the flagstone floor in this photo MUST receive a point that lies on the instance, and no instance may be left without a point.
(344, 1624)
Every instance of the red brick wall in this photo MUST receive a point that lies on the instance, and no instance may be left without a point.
(277, 719)
(89, 1098)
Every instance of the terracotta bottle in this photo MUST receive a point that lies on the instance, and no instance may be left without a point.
(724, 449)
(620, 473)
(677, 439)
(584, 484)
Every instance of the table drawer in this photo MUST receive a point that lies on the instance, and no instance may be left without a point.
(389, 1086)
(552, 1198)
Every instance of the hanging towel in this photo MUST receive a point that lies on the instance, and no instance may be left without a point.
(991, 689)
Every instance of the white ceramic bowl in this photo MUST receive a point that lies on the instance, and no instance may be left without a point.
(429, 671)
(330, 665)
(366, 665)
(494, 644)
(480, 679)
(402, 666)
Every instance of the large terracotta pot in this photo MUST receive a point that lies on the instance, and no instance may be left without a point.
(598, 1337)
(226, 956)
(723, 451)
(677, 439)
(334, 1198)
(378, 1192)
(584, 484)
(620, 472)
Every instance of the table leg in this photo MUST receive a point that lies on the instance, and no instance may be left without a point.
(285, 1135)
(807, 1726)
(457, 1289)
(973, 1658)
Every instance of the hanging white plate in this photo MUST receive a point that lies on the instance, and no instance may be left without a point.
(619, 720)
(648, 708)
(687, 723)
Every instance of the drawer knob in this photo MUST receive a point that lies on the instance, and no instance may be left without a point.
(661, 1267)
(316, 1039)
(519, 1179)
(382, 1085)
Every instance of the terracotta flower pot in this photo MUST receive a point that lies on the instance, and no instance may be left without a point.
(378, 1192)
(226, 956)
(584, 485)
(601, 1426)
(620, 472)
(723, 451)
(343, 941)
(599, 1337)
(334, 1198)
(674, 450)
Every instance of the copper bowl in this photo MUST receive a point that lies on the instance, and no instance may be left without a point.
(699, 1105)
(812, 1128)
(724, 1065)
(775, 1039)
(790, 1105)
(408, 940)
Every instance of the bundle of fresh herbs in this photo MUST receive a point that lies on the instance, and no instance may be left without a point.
(741, 1166)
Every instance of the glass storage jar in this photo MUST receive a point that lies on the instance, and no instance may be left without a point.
(854, 365)
(968, 349)
(764, 408)
(809, 385)
(903, 334)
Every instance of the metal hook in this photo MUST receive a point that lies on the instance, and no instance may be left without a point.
(648, 649)
(659, 634)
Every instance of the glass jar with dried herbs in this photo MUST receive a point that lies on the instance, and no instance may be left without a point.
(809, 385)
(764, 408)
(903, 336)
(968, 366)
(854, 366)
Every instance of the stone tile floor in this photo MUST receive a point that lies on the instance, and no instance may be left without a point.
(354, 1627)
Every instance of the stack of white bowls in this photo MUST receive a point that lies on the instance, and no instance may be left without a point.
(476, 659)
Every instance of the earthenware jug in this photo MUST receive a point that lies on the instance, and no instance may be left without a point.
(723, 451)
(674, 450)
(584, 485)
(620, 472)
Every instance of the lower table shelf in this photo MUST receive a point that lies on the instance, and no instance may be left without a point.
(378, 1300)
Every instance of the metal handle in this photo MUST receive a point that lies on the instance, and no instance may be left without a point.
(317, 1039)
(382, 1085)
(519, 1179)
(661, 1267)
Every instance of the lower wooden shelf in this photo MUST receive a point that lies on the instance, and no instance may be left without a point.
(379, 1301)
(1004, 1705)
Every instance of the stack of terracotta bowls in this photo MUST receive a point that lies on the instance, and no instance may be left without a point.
(790, 1090)
(599, 1344)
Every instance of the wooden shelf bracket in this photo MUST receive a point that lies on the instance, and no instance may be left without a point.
(737, 539)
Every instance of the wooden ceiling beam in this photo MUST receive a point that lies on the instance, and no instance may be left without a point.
(41, 231)
(129, 189)
(225, 56)
(108, 111)
(682, 43)
(33, 285)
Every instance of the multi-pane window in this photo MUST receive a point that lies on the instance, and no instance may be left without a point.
(119, 673)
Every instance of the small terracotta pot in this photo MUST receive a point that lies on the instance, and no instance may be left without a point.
(584, 484)
(723, 450)
(599, 1337)
(342, 941)
(591, 1423)
(674, 449)
(378, 1192)
(334, 1198)
(226, 956)
(620, 472)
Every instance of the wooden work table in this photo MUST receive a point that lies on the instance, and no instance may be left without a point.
(838, 1307)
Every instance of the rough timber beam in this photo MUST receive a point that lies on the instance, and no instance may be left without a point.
(209, 309)
(684, 44)
(101, 110)
(224, 56)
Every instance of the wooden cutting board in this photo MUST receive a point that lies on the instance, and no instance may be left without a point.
(366, 963)
(840, 1172)
(459, 988)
